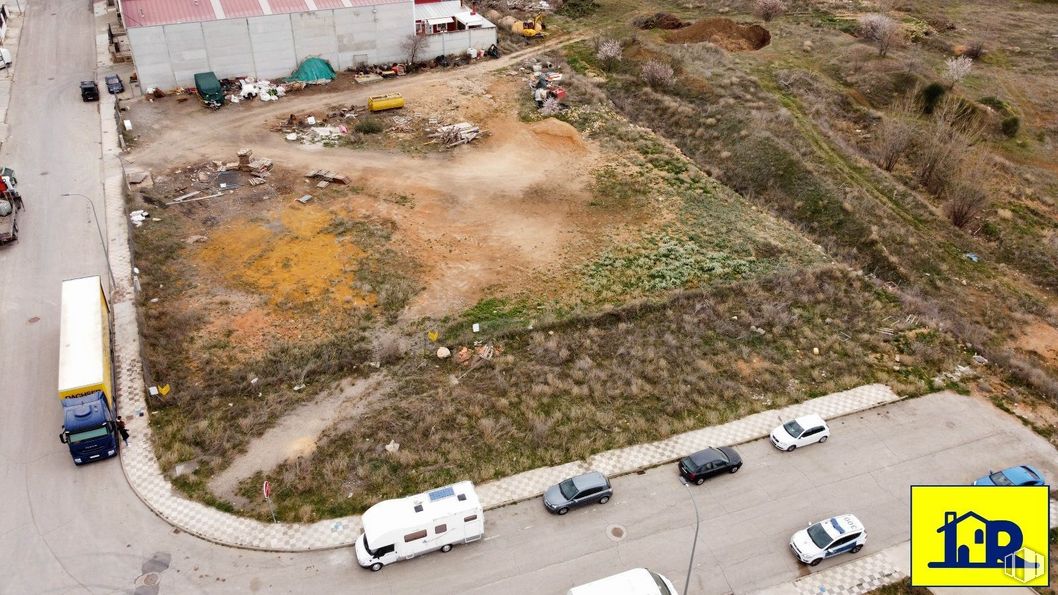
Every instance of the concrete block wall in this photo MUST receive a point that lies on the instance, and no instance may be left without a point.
(457, 42)
(271, 46)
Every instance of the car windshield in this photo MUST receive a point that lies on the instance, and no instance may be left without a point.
(793, 428)
(88, 435)
(999, 479)
(367, 546)
(662, 587)
(819, 535)
(568, 489)
(5, 208)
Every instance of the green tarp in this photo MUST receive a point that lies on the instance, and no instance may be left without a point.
(313, 71)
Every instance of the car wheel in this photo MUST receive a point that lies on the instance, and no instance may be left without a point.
(823, 439)
(815, 562)
(563, 510)
(857, 548)
(735, 469)
(604, 500)
(699, 481)
(791, 448)
(446, 548)
(376, 567)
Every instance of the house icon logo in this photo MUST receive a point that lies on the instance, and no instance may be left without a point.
(979, 536)
(983, 549)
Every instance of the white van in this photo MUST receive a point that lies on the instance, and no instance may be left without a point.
(638, 581)
(401, 529)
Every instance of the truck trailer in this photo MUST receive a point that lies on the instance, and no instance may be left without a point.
(403, 528)
(86, 381)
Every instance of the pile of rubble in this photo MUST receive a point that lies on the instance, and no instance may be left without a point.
(456, 134)
(548, 94)
(264, 90)
(311, 129)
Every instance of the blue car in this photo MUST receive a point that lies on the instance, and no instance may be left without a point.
(1024, 475)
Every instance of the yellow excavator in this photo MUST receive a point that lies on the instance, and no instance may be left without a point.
(533, 28)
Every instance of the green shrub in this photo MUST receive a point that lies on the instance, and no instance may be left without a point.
(1010, 126)
(995, 103)
(931, 96)
(369, 126)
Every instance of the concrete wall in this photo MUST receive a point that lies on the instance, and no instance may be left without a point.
(271, 46)
(457, 42)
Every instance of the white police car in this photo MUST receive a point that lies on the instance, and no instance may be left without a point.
(805, 430)
(836, 535)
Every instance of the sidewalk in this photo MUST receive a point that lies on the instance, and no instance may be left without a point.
(7, 78)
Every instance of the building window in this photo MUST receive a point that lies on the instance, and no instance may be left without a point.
(439, 529)
(413, 536)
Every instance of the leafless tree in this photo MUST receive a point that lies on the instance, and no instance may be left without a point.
(967, 193)
(658, 74)
(956, 69)
(609, 53)
(896, 132)
(769, 9)
(882, 30)
(943, 142)
(412, 45)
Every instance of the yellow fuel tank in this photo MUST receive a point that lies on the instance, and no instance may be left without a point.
(380, 103)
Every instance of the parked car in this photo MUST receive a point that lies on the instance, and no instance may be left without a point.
(89, 91)
(805, 430)
(638, 581)
(709, 462)
(828, 538)
(114, 84)
(1024, 475)
(5, 58)
(590, 488)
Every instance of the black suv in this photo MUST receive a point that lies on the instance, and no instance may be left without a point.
(89, 91)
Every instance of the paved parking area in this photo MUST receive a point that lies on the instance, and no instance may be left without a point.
(866, 468)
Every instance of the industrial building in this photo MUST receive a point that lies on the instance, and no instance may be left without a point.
(172, 40)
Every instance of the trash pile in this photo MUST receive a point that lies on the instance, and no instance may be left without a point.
(138, 217)
(456, 134)
(312, 129)
(544, 85)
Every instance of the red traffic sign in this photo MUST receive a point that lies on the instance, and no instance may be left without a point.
(267, 489)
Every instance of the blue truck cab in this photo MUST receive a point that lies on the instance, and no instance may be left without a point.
(89, 428)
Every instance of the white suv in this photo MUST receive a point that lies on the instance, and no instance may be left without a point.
(805, 430)
(836, 535)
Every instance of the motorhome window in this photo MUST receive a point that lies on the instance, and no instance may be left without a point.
(440, 529)
(461, 497)
(418, 508)
(413, 536)
(82, 436)
(382, 551)
(472, 517)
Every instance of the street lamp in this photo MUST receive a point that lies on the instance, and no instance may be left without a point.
(697, 525)
(106, 253)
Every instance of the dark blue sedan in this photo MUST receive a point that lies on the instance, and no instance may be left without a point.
(1024, 475)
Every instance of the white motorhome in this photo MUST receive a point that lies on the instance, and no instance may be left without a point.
(638, 581)
(401, 529)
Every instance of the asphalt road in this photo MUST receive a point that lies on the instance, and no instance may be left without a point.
(70, 530)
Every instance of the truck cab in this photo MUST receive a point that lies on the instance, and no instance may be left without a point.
(89, 428)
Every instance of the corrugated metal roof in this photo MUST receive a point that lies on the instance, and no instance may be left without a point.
(149, 13)
(240, 8)
(439, 10)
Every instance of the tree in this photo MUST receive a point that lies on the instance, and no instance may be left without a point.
(881, 30)
(609, 53)
(956, 69)
(895, 132)
(769, 9)
(411, 45)
(658, 74)
(967, 193)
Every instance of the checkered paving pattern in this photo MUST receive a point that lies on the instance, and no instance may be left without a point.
(853, 578)
(1054, 513)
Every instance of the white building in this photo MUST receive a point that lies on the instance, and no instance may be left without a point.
(172, 40)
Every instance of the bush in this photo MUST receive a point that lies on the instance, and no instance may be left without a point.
(882, 30)
(931, 96)
(974, 50)
(578, 8)
(609, 53)
(1010, 126)
(658, 74)
(369, 126)
(769, 9)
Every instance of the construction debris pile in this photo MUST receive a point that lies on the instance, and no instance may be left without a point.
(544, 85)
(456, 134)
(313, 129)
(209, 180)
(339, 124)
